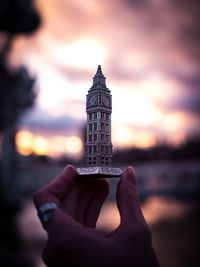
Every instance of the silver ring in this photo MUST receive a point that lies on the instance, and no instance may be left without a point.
(45, 212)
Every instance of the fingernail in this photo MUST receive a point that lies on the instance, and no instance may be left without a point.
(71, 169)
(130, 175)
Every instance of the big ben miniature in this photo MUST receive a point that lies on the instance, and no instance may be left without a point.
(98, 145)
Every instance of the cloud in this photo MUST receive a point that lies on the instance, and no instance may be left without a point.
(140, 38)
(188, 80)
(187, 102)
(38, 119)
(73, 74)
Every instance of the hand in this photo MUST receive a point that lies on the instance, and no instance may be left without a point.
(72, 237)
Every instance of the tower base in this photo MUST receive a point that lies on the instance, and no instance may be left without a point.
(99, 172)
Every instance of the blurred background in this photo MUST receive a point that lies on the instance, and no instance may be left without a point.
(149, 52)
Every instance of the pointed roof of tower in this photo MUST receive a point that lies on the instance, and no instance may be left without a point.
(99, 80)
(99, 72)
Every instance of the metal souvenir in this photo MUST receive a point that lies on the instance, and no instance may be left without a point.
(98, 146)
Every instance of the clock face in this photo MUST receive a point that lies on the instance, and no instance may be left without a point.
(92, 100)
(106, 101)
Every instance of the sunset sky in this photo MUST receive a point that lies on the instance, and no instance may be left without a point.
(149, 53)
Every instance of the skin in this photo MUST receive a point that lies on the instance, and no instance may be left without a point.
(72, 237)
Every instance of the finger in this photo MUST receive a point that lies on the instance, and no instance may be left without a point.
(128, 200)
(91, 203)
(85, 197)
(57, 189)
(70, 203)
(94, 208)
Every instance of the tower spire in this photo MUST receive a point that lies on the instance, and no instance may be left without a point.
(99, 71)
(99, 78)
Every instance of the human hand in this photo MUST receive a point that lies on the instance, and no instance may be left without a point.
(72, 237)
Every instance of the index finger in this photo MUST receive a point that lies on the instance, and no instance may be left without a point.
(56, 190)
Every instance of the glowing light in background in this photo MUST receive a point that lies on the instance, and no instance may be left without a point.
(24, 142)
(126, 136)
(82, 53)
(28, 143)
(123, 135)
(73, 144)
(137, 108)
(54, 85)
(40, 146)
(144, 139)
(173, 121)
(55, 146)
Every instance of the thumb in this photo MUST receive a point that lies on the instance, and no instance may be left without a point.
(127, 198)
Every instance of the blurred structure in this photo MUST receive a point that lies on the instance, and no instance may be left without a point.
(16, 94)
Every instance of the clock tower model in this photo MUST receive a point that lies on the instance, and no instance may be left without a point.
(98, 146)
